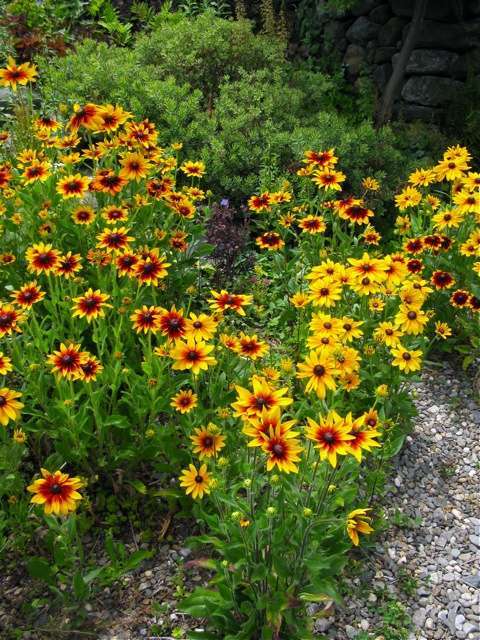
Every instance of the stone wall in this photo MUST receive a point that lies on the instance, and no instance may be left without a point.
(447, 52)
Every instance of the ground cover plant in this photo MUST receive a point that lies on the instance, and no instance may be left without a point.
(273, 391)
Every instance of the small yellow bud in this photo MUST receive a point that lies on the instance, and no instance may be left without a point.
(236, 515)
(118, 355)
(152, 382)
(222, 462)
(271, 511)
(149, 433)
(191, 290)
(247, 483)
(274, 479)
(307, 512)
(213, 483)
(67, 403)
(382, 390)
(34, 367)
(332, 488)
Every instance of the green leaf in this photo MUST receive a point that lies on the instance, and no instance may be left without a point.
(259, 573)
(40, 569)
(80, 589)
(135, 560)
(138, 485)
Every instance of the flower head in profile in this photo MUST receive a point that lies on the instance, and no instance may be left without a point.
(57, 492)
(184, 401)
(224, 300)
(251, 347)
(87, 116)
(9, 405)
(357, 521)
(5, 364)
(13, 74)
(271, 241)
(207, 443)
(196, 481)
(409, 197)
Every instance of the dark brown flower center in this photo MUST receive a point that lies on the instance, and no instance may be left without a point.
(89, 303)
(411, 315)
(199, 479)
(173, 323)
(319, 370)
(66, 360)
(451, 165)
(347, 327)
(3, 401)
(148, 267)
(80, 112)
(4, 319)
(197, 325)
(389, 332)
(277, 450)
(327, 325)
(365, 282)
(229, 300)
(27, 295)
(192, 355)
(261, 402)
(208, 442)
(324, 291)
(134, 165)
(406, 356)
(147, 316)
(329, 437)
(55, 488)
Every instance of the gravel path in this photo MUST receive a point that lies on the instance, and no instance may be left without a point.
(420, 581)
(431, 568)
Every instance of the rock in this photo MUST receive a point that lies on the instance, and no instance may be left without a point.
(381, 75)
(350, 631)
(419, 617)
(431, 62)
(391, 32)
(430, 91)
(362, 7)
(354, 59)
(384, 55)
(381, 14)
(362, 31)
(442, 10)
(460, 36)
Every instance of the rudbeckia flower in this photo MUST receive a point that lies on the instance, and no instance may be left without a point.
(126, 262)
(251, 347)
(91, 304)
(255, 426)
(196, 481)
(56, 492)
(146, 319)
(357, 522)
(271, 241)
(207, 444)
(152, 268)
(184, 401)
(68, 265)
(83, 215)
(192, 355)
(257, 203)
(9, 406)
(9, 319)
(331, 436)
(42, 258)
(4, 364)
(201, 327)
(320, 158)
(115, 239)
(406, 360)
(250, 403)
(320, 367)
(409, 197)
(224, 300)
(87, 116)
(282, 449)
(442, 279)
(14, 75)
(28, 295)
(411, 320)
(328, 179)
(72, 186)
(67, 361)
(172, 324)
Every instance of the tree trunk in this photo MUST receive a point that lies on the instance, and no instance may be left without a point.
(395, 81)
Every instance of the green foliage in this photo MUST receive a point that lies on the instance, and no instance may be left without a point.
(203, 52)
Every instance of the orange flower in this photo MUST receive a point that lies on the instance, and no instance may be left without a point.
(192, 355)
(87, 116)
(224, 300)
(115, 239)
(91, 304)
(41, 257)
(28, 295)
(13, 74)
(73, 186)
(67, 361)
(56, 492)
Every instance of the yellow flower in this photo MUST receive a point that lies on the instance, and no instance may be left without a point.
(382, 390)
(357, 522)
(196, 481)
(19, 436)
